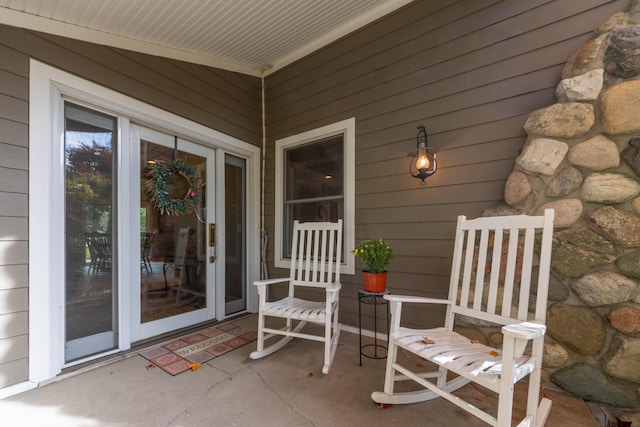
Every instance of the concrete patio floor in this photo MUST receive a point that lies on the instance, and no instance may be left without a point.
(284, 389)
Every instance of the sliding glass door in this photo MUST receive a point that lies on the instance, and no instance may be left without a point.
(90, 293)
(177, 244)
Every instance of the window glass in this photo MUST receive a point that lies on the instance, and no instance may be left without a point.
(315, 182)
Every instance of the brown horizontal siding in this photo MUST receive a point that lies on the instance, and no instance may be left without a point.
(164, 83)
(471, 72)
(222, 100)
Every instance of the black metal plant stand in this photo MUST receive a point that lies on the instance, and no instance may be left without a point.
(375, 299)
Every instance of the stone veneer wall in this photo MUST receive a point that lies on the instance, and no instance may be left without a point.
(582, 158)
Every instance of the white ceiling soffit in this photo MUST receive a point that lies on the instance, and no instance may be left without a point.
(255, 37)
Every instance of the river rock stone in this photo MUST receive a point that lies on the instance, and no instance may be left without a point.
(557, 290)
(617, 225)
(598, 153)
(621, 57)
(604, 288)
(587, 58)
(564, 182)
(609, 188)
(502, 210)
(568, 211)
(584, 87)
(625, 319)
(543, 155)
(517, 188)
(619, 106)
(564, 120)
(623, 358)
(631, 155)
(554, 355)
(589, 383)
(578, 250)
(629, 264)
(617, 20)
(579, 328)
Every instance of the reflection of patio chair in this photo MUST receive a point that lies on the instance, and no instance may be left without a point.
(146, 241)
(99, 245)
(181, 261)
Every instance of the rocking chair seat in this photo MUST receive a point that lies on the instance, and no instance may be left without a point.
(296, 308)
(461, 355)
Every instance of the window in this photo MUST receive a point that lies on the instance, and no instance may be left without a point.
(315, 181)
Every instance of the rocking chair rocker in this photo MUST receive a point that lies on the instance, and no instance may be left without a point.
(491, 282)
(315, 263)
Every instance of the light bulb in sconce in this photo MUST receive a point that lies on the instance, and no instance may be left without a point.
(423, 160)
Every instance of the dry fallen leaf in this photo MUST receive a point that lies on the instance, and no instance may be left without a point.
(493, 353)
(194, 366)
(427, 340)
(151, 366)
(382, 405)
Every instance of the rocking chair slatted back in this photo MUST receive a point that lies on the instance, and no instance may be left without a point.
(315, 254)
(495, 272)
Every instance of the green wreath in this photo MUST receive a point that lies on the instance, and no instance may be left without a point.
(158, 174)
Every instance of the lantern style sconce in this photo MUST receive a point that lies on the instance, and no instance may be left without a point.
(424, 163)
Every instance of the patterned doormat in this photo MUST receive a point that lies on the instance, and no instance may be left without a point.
(181, 354)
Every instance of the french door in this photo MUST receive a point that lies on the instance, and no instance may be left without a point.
(177, 267)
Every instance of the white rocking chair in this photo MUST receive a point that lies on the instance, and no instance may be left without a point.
(315, 263)
(491, 281)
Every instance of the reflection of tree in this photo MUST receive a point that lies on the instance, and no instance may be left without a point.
(88, 181)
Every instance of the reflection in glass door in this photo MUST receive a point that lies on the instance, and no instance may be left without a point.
(90, 258)
(235, 234)
(176, 269)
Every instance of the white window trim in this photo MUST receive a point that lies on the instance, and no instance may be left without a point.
(348, 128)
(47, 85)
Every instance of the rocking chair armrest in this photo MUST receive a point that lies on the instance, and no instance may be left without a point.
(525, 330)
(422, 300)
(334, 287)
(270, 281)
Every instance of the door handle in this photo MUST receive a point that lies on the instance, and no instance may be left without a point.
(212, 243)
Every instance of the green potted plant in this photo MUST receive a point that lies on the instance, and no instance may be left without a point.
(375, 255)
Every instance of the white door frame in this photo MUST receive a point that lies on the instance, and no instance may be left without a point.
(47, 86)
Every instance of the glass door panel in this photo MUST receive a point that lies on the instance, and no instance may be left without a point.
(235, 234)
(172, 248)
(176, 270)
(90, 241)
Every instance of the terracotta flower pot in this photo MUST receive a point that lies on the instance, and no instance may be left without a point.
(375, 282)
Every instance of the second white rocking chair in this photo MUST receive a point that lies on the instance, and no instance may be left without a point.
(315, 263)
(493, 281)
